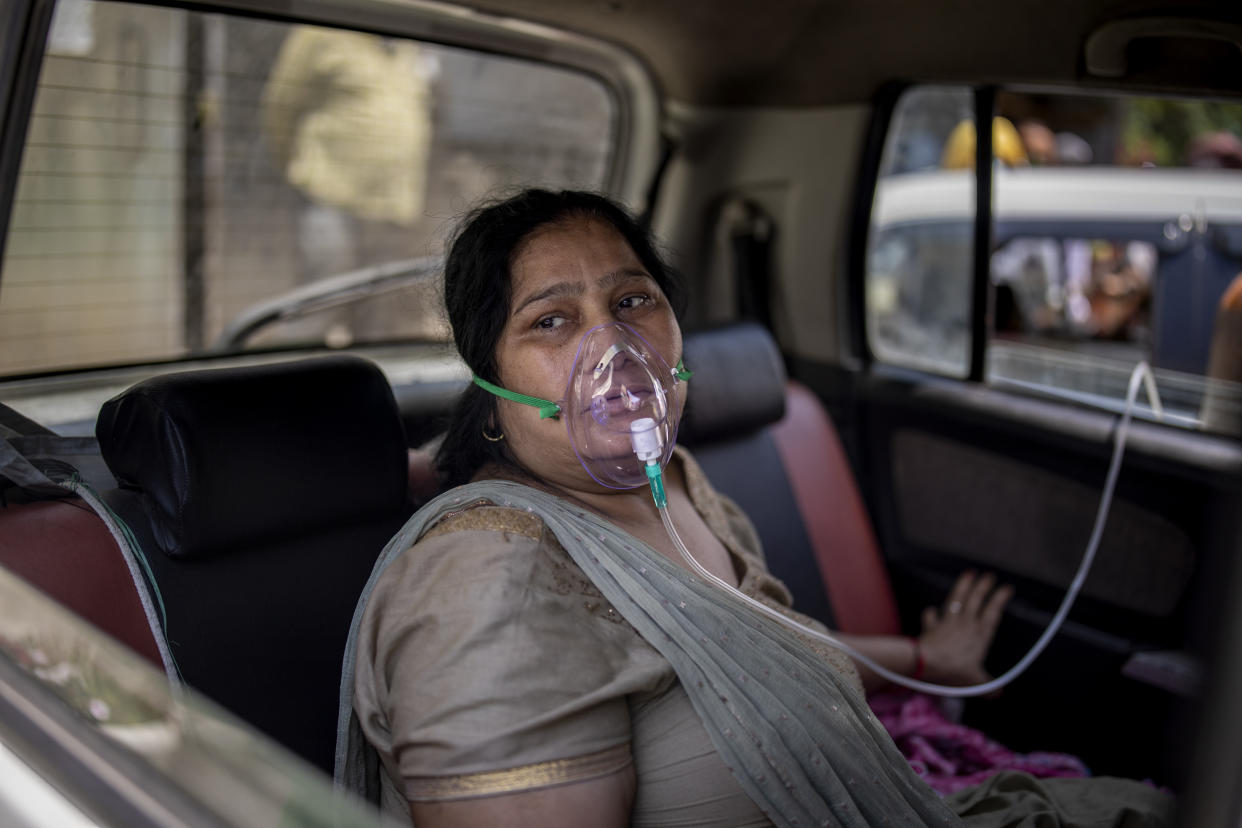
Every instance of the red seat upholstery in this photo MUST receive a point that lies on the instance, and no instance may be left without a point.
(64, 549)
(769, 444)
(835, 517)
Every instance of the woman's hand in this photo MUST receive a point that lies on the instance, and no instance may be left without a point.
(956, 638)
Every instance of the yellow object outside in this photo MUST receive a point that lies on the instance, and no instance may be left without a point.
(346, 115)
(959, 149)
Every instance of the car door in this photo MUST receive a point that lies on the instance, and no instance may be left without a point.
(984, 436)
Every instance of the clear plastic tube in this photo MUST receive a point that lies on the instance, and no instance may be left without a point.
(1141, 372)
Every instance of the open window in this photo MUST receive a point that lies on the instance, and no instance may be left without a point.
(1112, 228)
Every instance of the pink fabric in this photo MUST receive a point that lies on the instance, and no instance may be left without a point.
(950, 756)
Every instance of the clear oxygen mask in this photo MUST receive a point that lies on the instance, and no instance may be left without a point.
(620, 387)
(620, 390)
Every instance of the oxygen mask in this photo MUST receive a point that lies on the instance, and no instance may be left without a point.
(621, 392)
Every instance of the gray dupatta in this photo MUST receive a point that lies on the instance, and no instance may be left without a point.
(800, 740)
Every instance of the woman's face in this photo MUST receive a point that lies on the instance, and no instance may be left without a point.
(568, 278)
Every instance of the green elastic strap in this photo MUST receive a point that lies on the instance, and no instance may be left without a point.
(547, 408)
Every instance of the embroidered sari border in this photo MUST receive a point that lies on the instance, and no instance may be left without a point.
(515, 780)
(484, 516)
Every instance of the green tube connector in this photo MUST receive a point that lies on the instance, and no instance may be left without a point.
(657, 484)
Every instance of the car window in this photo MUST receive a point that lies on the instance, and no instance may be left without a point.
(1115, 228)
(183, 168)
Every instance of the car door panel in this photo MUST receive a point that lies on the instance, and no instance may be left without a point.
(962, 476)
(1002, 514)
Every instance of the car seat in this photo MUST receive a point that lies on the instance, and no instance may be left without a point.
(768, 443)
(55, 541)
(261, 497)
(62, 547)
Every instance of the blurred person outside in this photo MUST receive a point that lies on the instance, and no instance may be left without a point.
(1073, 150)
(1220, 149)
(1120, 289)
(1067, 270)
(347, 118)
(1222, 404)
(1023, 269)
(1044, 147)
(1039, 141)
(1064, 286)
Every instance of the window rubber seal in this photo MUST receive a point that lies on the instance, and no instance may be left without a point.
(985, 104)
(863, 200)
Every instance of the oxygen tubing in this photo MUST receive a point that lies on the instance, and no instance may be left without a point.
(1141, 372)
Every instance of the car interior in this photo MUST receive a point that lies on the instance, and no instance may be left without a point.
(912, 324)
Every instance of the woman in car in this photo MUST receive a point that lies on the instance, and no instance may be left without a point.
(535, 651)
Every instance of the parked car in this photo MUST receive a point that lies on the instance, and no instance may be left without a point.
(208, 186)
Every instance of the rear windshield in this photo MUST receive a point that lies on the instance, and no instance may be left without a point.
(183, 169)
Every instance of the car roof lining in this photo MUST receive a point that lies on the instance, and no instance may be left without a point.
(799, 53)
(823, 52)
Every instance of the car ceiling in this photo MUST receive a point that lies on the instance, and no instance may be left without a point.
(823, 52)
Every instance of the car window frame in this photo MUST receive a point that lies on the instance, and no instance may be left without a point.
(886, 103)
(25, 24)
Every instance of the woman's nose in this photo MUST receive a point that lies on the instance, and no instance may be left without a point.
(598, 320)
(617, 359)
(601, 316)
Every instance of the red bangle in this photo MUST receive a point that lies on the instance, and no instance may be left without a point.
(920, 664)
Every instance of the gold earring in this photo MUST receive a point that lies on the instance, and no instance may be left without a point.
(490, 438)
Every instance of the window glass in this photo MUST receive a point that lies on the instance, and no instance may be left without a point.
(1116, 237)
(183, 168)
(919, 253)
(1112, 244)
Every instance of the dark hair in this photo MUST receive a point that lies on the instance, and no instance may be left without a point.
(477, 295)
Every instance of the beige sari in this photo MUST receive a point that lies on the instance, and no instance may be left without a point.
(794, 731)
(788, 728)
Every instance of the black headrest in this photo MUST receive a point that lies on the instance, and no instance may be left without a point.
(228, 457)
(738, 383)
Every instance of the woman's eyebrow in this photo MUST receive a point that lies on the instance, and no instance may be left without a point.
(551, 291)
(616, 276)
(559, 289)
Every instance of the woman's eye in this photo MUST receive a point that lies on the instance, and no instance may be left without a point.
(631, 302)
(549, 323)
